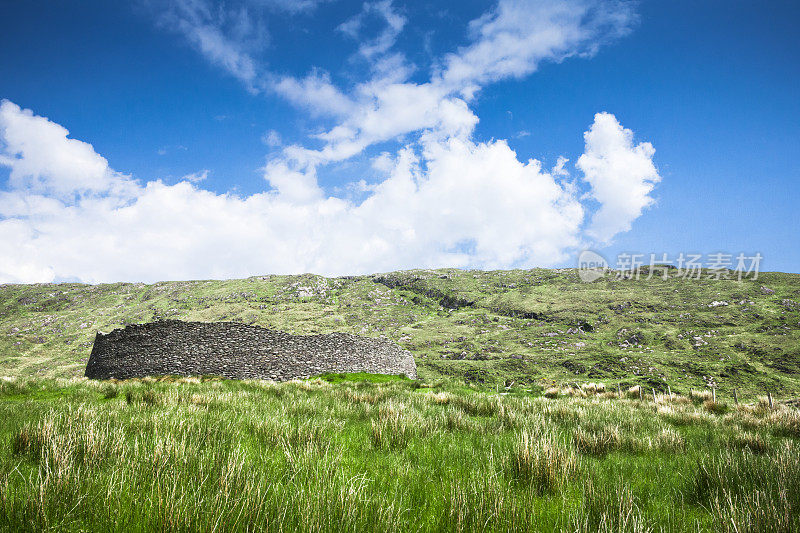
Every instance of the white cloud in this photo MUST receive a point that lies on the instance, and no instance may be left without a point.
(289, 6)
(380, 44)
(196, 177)
(43, 159)
(558, 169)
(476, 204)
(222, 52)
(227, 38)
(510, 41)
(443, 199)
(387, 112)
(622, 176)
(513, 39)
(296, 186)
(314, 93)
(230, 35)
(272, 138)
(453, 203)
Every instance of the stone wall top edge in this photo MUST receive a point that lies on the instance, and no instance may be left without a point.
(166, 323)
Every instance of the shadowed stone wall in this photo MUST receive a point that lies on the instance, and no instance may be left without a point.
(238, 351)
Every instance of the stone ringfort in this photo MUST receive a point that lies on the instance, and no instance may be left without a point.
(238, 351)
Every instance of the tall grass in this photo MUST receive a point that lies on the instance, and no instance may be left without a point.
(543, 463)
(210, 455)
(608, 507)
(749, 492)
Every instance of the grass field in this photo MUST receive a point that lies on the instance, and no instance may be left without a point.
(388, 455)
(531, 327)
(544, 404)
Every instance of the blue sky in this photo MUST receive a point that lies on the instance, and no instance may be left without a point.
(287, 136)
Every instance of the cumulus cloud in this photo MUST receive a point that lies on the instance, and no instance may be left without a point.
(621, 175)
(441, 198)
(386, 112)
(43, 159)
(455, 202)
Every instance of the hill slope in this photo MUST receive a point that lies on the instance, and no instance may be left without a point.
(527, 326)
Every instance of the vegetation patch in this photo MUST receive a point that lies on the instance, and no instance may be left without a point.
(211, 454)
(535, 327)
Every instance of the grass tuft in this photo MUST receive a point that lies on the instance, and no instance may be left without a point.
(542, 463)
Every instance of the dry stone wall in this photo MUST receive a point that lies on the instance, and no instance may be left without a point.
(238, 351)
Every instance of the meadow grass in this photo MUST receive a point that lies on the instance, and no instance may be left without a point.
(199, 454)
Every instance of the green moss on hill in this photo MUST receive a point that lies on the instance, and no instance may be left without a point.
(519, 328)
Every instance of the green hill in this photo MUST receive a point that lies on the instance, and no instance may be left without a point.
(530, 327)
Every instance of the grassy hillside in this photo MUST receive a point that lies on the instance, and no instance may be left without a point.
(146, 455)
(530, 327)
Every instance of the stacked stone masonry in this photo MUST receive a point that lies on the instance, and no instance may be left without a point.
(238, 351)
